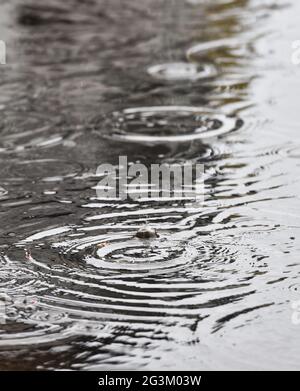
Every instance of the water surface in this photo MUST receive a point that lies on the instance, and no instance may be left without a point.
(86, 82)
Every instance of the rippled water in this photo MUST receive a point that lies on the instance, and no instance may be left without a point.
(158, 81)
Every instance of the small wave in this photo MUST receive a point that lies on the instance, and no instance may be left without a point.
(167, 124)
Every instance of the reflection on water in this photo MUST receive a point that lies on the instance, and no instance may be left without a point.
(158, 81)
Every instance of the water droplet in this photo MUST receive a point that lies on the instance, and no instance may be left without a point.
(167, 124)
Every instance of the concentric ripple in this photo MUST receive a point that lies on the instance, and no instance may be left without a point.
(114, 277)
(181, 71)
(126, 252)
(100, 273)
(165, 124)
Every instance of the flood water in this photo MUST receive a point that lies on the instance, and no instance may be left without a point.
(87, 82)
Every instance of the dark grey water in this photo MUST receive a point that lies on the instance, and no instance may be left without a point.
(219, 288)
